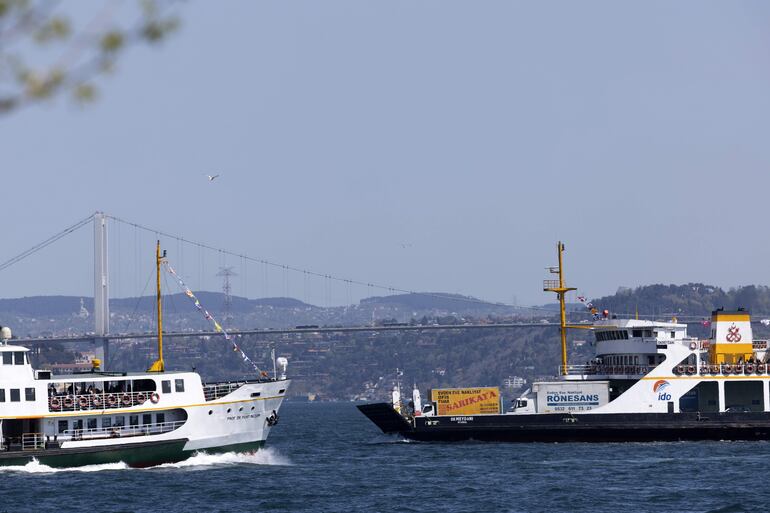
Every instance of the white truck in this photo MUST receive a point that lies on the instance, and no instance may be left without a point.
(562, 397)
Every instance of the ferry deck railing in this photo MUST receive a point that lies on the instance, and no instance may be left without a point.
(212, 391)
(32, 441)
(94, 401)
(119, 431)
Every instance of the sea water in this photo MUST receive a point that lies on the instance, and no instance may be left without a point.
(327, 457)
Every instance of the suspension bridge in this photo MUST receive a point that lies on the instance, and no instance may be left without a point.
(104, 275)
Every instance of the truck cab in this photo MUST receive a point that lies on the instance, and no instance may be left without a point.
(522, 405)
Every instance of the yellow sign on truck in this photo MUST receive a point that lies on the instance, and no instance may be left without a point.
(466, 401)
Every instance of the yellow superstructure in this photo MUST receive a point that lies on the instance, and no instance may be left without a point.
(731, 337)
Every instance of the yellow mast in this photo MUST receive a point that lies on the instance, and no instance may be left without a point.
(561, 290)
(159, 365)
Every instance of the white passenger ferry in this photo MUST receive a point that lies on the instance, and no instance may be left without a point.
(141, 419)
(647, 381)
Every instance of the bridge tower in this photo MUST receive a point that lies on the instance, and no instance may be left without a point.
(101, 283)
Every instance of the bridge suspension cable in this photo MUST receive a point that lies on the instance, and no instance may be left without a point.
(307, 272)
(50, 240)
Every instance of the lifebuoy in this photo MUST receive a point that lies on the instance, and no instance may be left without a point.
(55, 403)
(140, 398)
(738, 369)
(691, 369)
(761, 368)
(644, 370)
(83, 401)
(749, 368)
(714, 369)
(69, 401)
(126, 399)
(680, 369)
(693, 346)
(154, 397)
(96, 400)
(112, 400)
(727, 368)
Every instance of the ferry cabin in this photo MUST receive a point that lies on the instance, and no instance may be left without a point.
(41, 411)
(656, 367)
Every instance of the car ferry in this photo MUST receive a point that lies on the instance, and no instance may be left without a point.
(141, 419)
(648, 381)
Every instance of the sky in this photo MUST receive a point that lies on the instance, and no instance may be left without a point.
(432, 146)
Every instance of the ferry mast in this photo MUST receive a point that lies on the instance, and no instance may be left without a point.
(159, 365)
(561, 290)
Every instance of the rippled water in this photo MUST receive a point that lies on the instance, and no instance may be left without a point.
(328, 457)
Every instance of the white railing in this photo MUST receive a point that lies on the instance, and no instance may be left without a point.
(217, 390)
(32, 441)
(101, 401)
(120, 431)
(628, 370)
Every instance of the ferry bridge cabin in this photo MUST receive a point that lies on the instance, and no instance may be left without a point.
(656, 367)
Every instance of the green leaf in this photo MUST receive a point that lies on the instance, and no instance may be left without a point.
(84, 93)
(112, 41)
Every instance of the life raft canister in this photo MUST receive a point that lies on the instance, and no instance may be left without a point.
(154, 397)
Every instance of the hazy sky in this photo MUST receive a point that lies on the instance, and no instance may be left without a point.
(431, 145)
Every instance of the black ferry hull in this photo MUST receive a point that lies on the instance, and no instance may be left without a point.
(586, 427)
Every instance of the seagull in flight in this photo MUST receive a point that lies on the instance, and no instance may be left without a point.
(212, 177)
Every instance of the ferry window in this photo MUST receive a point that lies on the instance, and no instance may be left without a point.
(91, 423)
(637, 333)
(18, 358)
(673, 334)
(147, 418)
(77, 424)
(133, 420)
(166, 386)
(15, 395)
(144, 385)
(625, 335)
(160, 418)
(119, 421)
(179, 385)
(63, 424)
(2, 395)
(29, 394)
(7, 358)
(106, 422)
(647, 333)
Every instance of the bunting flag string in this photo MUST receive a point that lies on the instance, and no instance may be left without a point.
(217, 327)
(589, 305)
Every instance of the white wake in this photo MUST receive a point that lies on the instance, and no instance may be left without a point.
(35, 467)
(201, 460)
(268, 456)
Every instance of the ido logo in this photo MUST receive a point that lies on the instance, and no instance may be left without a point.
(660, 387)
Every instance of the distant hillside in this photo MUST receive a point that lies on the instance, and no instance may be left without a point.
(689, 299)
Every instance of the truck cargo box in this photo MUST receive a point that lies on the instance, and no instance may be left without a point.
(570, 396)
(466, 401)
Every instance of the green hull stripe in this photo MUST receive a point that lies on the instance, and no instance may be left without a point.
(137, 456)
